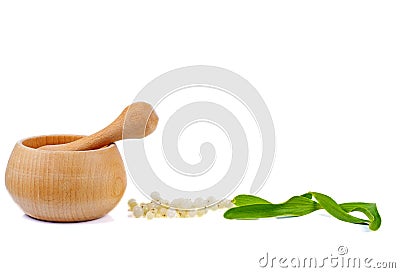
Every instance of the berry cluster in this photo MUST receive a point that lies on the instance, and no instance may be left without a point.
(180, 208)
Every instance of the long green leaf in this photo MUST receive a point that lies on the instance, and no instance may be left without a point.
(295, 206)
(253, 207)
(335, 210)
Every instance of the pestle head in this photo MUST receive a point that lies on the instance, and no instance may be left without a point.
(140, 120)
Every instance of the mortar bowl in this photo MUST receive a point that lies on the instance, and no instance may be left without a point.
(64, 186)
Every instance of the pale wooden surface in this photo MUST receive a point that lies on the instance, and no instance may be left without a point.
(136, 121)
(65, 186)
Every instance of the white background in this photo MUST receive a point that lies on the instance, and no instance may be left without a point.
(328, 71)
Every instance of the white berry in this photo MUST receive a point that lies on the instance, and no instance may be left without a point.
(150, 215)
(137, 211)
(155, 196)
(171, 213)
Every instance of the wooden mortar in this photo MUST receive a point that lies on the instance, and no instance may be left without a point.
(64, 186)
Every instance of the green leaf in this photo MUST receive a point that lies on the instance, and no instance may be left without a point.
(295, 206)
(307, 195)
(253, 207)
(369, 209)
(335, 210)
(245, 199)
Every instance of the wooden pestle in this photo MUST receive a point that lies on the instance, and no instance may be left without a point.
(136, 121)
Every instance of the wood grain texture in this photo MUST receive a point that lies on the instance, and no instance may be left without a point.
(64, 186)
(137, 120)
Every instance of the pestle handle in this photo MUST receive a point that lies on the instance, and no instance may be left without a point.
(139, 120)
